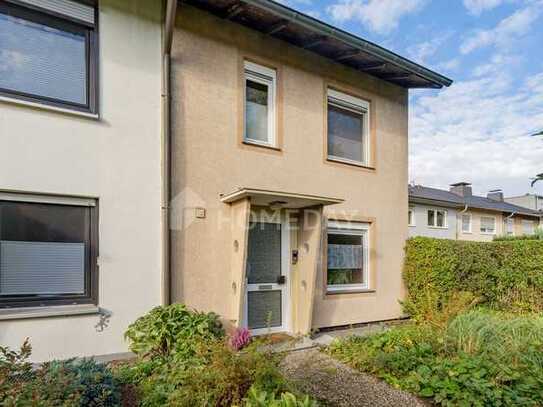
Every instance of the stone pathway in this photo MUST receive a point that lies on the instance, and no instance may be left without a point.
(336, 384)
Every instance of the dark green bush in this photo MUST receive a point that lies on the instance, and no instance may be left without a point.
(172, 329)
(503, 275)
(59, 383)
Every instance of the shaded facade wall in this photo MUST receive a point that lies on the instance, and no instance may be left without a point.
(115, 159)
(210, 160)
(421, 227)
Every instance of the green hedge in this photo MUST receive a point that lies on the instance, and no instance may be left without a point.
(503, 275)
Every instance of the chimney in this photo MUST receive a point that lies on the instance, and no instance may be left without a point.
(495, 195)
(461, 188)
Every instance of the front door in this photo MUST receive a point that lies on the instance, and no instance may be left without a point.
(266, 301)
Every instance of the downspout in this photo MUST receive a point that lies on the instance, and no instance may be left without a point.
(169, 23)
(459, 220)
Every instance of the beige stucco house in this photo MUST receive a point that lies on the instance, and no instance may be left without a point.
(289, 168)
(236, 156)
(459, 214)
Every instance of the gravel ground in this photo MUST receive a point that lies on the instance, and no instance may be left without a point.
(336, 384)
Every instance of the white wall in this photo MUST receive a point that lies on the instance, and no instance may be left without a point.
(116, 159)
(421, 227)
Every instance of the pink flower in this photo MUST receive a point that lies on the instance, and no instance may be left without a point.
(240, 338)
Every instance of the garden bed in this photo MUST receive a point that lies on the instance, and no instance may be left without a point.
(183, 358)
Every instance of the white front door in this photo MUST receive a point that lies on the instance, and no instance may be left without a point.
(267, 295)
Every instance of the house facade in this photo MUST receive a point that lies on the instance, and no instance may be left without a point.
(280, 157)
(458, 214)
(228, 155)
(530, 201)
(80, 173)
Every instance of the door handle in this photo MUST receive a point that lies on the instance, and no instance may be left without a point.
(281, 280)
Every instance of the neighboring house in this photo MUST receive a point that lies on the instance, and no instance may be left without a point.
(285, 175)
(530, 201)
(80, 172)
(290, 166)
(458, 214)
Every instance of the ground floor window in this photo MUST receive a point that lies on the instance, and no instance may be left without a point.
(437, 218)
(509, 226)
(48, 250)
(466, 223)
(411, 217)
(528, 227)
(488, 225)
(347, 256)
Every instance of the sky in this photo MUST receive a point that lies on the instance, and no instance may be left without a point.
(477, 130)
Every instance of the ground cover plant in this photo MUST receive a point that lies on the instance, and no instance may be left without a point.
(480, 358)
(476, 338)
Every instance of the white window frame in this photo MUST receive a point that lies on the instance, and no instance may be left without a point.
(533, 226)
(445, 219)
(357, 105)
(413, 222)
(357, 229)
(481, 225)
(470, 223)
(265, 76)
(509, 221)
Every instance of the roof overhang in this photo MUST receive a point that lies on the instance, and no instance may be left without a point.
(425, 201)
(287, 200)
(287, 24)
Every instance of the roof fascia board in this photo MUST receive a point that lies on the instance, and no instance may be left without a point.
(363, 45)
(435, 202)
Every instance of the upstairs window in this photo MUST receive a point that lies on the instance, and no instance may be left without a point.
(466, 223)
(488, 225)
(348, 128)
(260, 91)
(48, 53)
(437, 218)
(48, 251)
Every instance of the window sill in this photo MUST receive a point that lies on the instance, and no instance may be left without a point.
(350, 291)
(44, 312)
(43, 106)
(438, 227)
(488, 233)
(349, 162)
(412, 226)
(260, 145)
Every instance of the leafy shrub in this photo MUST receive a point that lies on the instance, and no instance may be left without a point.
(505, 275)
(259, 398)
(171, 329)
(58, 383)
(15, 372)
(538, 235)
(481, 358)
(214, 375)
